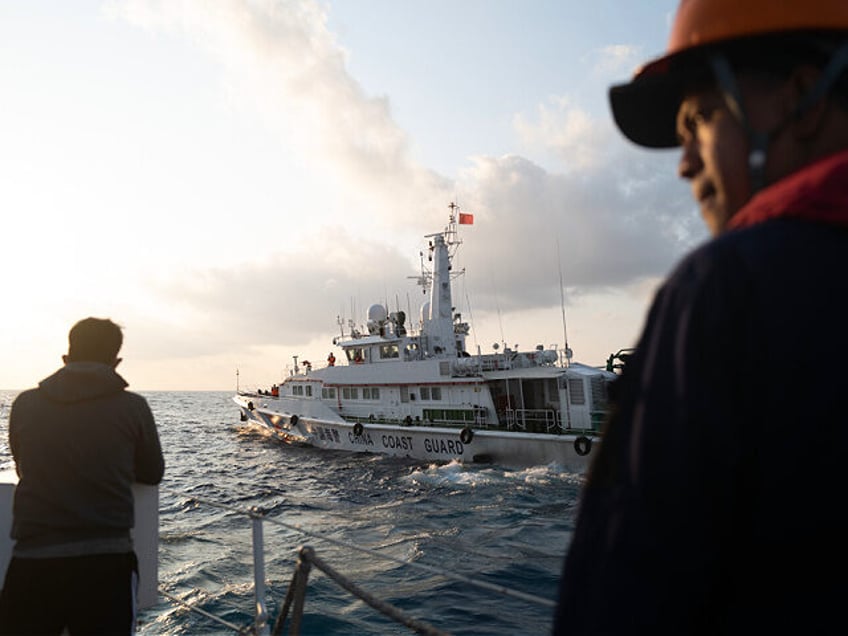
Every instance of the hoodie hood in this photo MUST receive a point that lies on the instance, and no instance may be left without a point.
(80, 381)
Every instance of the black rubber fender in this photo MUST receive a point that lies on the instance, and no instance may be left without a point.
(466, 435)
(358, 429)
(293, 420)
(582, 445)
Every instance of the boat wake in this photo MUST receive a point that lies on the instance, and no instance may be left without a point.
(459, 474)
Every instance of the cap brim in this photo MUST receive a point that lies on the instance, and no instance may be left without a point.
(645, 110)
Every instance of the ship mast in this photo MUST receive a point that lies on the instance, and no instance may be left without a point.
(439, 327)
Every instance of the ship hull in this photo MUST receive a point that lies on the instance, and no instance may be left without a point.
(571, 451)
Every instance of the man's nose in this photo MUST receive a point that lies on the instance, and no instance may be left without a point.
(690, 160)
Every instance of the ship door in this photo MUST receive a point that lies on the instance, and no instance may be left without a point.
(405, 410)
(577, 405)
(565, 410)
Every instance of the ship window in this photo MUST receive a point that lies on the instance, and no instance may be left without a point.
(297, 389)
(375, 393)
(575, 390)
(370, 393)
(354, 393)
(346, 393)
(388, 351)
(436, 393)
(356, 355)
(309, 390)
(328, 393)
(425, 392)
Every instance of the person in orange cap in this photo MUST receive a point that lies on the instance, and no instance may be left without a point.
(714, 505)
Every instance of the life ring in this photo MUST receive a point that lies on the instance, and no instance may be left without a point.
(582, 445)
(407, 421)
(358, 429)
(250, 406)
(293, 420)
(466, 435)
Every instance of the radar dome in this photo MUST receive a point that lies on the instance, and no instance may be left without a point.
(377, 313)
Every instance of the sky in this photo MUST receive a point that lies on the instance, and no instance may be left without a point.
(230, 180)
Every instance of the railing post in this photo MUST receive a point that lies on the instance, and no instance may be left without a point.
(304, 565)
(260, 623)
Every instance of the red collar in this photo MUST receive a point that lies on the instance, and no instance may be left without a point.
(817, 192)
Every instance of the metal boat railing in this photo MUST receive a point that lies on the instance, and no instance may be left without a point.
(295, 596)
(535, 418)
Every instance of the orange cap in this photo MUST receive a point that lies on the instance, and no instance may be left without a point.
(645, 109)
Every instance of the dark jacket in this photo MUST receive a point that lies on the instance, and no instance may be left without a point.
(716, 503)
(80, 441)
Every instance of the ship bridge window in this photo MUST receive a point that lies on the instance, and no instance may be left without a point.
(350, 393)
(308, 390)
(297, 389)
(328, 393)
(355, 355)
(370, 393)
(388, 351)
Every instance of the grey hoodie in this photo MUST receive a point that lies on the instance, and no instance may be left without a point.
(80, 441)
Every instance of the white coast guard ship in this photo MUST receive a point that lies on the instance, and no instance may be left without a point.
(423, 395)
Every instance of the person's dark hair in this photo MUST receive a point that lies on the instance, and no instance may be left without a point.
(94, 340)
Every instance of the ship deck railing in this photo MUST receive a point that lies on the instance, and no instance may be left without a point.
(294, 602)
(548, 421)
(536, 420)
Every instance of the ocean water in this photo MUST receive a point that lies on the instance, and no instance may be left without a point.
(503, 526)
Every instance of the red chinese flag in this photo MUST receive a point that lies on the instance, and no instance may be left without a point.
(466, 219)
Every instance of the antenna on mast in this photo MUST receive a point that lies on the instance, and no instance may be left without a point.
(562, 305)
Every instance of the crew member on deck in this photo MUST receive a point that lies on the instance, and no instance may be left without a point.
(331, 360)
(79, 441)
(716, 503)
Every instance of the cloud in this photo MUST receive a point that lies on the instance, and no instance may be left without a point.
(533, 223)
(566, 129)
(606, 216)
(286, 299)
(616, 59)
(280, 59)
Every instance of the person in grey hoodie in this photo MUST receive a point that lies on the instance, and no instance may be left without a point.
(79, 442)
